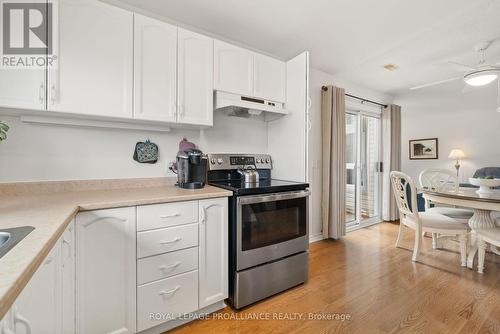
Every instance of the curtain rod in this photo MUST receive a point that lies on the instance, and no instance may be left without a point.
(324, 88)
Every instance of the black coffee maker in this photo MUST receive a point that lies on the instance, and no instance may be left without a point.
(191, 168)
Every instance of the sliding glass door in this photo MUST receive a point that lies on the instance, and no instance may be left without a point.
(363, 155)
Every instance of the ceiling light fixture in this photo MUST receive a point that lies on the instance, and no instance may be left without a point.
(481, 77)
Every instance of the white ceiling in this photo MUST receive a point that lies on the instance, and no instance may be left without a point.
(351, 39)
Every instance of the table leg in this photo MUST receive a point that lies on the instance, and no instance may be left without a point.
(471, 252)
(481, 219)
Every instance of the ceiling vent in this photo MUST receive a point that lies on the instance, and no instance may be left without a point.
(390, 67)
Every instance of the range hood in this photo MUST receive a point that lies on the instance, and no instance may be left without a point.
(243, 106)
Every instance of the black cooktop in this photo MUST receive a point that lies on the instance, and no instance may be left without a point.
(263, 187)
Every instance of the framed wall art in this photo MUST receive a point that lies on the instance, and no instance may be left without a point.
(423, 149)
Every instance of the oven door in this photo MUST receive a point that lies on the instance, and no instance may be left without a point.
(271, 226)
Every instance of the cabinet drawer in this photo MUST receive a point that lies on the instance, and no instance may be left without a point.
(166, 265)
(166, 240)
(170, 297)
(165, 215)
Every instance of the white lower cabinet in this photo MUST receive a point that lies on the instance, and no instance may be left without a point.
(46, 304)
(68, 253)
(165, 265)
(106, 271)
(213, 251)
(166, 240)
(166, 299)
(39, 304)
(102, 276)
(183, 268)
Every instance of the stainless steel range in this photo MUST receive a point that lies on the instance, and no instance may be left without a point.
(268, 227)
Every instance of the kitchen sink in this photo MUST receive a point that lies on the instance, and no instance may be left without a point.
(9, 237)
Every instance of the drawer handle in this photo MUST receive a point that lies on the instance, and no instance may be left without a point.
(170, 216)
(170, 241)
(169, 292)
(172, 266)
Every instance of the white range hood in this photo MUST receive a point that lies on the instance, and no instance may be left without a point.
(243, 106)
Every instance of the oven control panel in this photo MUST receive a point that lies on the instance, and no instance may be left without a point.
(220, 161)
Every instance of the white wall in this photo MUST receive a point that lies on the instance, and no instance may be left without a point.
(43, 152)
(316, 80)
(47, 152)
(235, 135)
(467, 121)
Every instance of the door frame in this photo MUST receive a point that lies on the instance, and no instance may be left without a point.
(360, 109)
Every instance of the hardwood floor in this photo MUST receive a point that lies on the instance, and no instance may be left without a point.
(380, 288)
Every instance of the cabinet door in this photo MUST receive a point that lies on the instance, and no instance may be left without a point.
(213, 251)
(287, 136)
(21, 88)
(95, 60)
(105, 271)
(195, 54)
(38, 307)
(269, 80)
(155, 69)
(233, 68)
(68, 278)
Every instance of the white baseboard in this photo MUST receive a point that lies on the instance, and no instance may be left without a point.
(316, 237)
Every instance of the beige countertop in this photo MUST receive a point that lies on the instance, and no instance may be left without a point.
(51, 212)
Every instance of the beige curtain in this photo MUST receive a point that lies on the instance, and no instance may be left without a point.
(391, 146)
(334, 169)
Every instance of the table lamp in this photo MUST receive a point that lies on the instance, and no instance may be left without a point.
(456, 155)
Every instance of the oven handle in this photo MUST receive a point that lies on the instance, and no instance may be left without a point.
(273, 197)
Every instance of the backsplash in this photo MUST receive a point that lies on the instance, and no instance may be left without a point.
(54, 153)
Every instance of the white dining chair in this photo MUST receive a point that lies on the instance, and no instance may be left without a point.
(423, 221)
(484, 237)
(442, 180)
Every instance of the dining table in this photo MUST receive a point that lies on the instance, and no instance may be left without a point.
(482, 205)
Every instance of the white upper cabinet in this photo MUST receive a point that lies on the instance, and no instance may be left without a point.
(213, 248)
(244, 72)
(95, 60)
(195, 84)
(269, 79)
(106, 271)
(287, 136)
(233, 69)
(20, 88)
(155, 69)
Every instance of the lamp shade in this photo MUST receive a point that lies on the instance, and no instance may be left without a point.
(456, 154)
